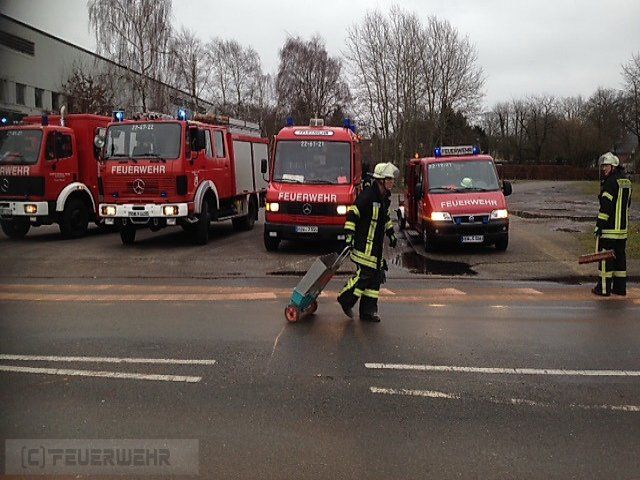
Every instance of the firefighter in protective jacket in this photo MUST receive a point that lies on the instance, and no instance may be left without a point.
(367, 223)
(612, 226)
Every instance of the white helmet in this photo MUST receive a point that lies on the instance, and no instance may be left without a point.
(385, 170)
(609, 159)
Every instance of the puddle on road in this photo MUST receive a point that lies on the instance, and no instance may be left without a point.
(416, 263)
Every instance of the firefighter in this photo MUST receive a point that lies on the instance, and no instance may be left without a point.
(367, 223)
(612, 226)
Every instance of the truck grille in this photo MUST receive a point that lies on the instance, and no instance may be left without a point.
(139, 187)
(309, 209)
(22, 186)
(465, 219)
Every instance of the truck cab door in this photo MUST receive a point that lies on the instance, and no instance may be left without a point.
(61, 162)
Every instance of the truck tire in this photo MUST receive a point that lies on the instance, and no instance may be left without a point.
(128, 235)
(200, 234)
(75, 219)
(247, 222)
(427, 241)
(502, 244)
(271, 243)
(16, 228)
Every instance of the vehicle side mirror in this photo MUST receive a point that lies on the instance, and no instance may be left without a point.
(263, 166)
(507, 189)
(99, 141)
(419, 188)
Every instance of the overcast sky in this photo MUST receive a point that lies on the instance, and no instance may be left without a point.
(559, 47)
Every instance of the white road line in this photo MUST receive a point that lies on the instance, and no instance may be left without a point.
(50, 358)
(386, 291)
(101, 374)
(497, 401)
(450, 291)
(414, 393)
(529, 291)
(505, 371)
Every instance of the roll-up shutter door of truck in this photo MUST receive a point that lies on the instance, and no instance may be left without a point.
(243, 167)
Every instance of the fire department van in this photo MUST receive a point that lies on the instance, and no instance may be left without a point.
(158, 171)
(316, 174)
(49, 173)
(455, 197)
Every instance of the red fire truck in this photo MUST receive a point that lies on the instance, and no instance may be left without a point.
(49, 173)
(316, 174)
(456, 197)
(158, 171)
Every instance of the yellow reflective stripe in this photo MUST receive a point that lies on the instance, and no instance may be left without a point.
(372, 230)
(350, 226)
(607, 195)
(603, 216)
(619, 210)
(354, 209)
(388, 225)
(352, 281)
(614, 234)
(371, 293)
(620, 274)
(362, 259)
(357, 292)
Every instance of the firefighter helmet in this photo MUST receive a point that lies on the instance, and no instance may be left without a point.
(385, 170)
(466, 183)
(609, 159)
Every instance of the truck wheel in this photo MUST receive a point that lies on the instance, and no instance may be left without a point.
(271, 243)
(502, 244)
(427, 241)
(75, 219)
(201, 230)
(248, 221)
(128, 235)
(16, 228)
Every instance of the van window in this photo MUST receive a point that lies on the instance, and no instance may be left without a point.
(217, 135)
(209, 148)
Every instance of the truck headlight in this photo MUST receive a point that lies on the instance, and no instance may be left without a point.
(108, 211)
(341, 209)
(496, 214)
(273, 207)
(440, 216)
(30, 208)
(170, 210)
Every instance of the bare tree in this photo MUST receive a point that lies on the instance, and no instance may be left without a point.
(631, 110)
(88, 93)
(309, 81)
(135, 34)
(190, 66)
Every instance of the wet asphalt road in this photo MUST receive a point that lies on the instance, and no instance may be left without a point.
(304, 400)
(328, 397)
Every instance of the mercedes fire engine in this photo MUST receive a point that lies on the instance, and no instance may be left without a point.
(49, 173)
(158, 171)
(316, 174)
(455, 197)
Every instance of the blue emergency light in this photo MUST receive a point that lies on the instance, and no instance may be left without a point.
(45, 120)
(476, 150)
(437, 152)
(118, 115)
(4, 120)
(346, 123)
(289, 121)
(182, 114)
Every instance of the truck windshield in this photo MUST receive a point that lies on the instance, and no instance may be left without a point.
(312, 161)
(143, 140)
(475, 175)
(20, 146)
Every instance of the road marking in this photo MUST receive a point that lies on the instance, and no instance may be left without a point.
(450, 291)
(529, 291)
(505, 371)
(437, 305)
(386, 291)
(150, 297)
(414, 393)
(497, 401)
(101, 374)
(51, 358)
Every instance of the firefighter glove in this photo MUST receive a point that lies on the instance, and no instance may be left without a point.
(349, 241)
(393, 241)
(597, 231)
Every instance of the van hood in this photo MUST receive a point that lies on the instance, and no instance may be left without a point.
(293, 192)
(467, 203)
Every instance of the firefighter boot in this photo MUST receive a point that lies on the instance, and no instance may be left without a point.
(347, 309)
(619, 285)
(369, 317)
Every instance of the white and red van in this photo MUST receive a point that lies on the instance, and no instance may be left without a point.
(456, 197)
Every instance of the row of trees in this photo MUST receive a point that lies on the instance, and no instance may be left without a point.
(408, 84)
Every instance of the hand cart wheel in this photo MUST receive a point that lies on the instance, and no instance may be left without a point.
(292, 313)
(312, 308)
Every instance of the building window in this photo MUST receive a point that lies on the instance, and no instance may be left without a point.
(20, 89)
(55, 101)
(39, 93)
(3, 86)
(17, 43)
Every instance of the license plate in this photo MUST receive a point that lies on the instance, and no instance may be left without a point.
(139, 213)
(473, 239)
(5, 211)
(300, 229)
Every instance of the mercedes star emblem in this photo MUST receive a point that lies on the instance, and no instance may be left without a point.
(4, 186)
(138, 186)
(472, 218)
(306, 209)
